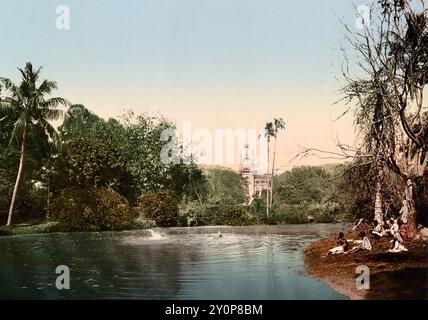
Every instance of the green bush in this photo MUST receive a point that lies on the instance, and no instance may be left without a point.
(235, 216)
(92, 209)
(162, 207)
(300, 213)
(188, 213)
(141, 223)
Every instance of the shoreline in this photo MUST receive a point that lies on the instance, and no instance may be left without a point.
(392, 276)
(55, 227)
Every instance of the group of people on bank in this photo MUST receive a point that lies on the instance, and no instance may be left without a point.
(391, 228)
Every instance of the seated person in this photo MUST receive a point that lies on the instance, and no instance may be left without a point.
(343, 245)
(363, 244)
(378, 231)
(397, 246)
(395, 230)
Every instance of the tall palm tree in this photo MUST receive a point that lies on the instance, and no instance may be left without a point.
(29, 102)
(269, 132)
(278, 124)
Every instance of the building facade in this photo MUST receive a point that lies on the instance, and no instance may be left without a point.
(254, 182)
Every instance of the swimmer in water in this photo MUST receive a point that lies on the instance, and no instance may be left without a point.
(219, 234)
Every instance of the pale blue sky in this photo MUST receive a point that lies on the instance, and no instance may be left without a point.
(219, 63)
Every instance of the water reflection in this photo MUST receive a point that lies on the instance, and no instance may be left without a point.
(181, 263)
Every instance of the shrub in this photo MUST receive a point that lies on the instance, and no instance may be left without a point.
(142, 223)
(300, 213)
(162, 207)
(92, 209)
(235, 216)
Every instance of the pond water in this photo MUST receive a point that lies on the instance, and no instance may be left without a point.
(257, 262)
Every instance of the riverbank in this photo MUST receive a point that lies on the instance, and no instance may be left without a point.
(52, 227)
(29, 228)
(392, 275)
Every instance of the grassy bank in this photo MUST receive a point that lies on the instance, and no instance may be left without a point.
(29, 228)
(392, 275)
(50, 227)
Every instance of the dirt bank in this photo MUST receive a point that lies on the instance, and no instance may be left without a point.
(392, 275)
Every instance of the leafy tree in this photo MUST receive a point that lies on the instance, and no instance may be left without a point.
(79, 122)
(29, 102)
(269, 133)
(278, 124)
(90, 162)
(31, 200)
(224, 186)
(306, 184)
(359, 190)
(388, 97)
(137, 142)
(187, 182)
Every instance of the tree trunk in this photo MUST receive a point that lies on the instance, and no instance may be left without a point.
(378, 197)
(273, 172)
(48, 203)
(267, 191)
(409, 230)
(18, 178)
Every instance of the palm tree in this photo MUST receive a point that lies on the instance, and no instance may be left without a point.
(269, 132)
(278, 124)
(29, 102)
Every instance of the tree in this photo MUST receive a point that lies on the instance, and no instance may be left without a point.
(306, 184)
(269, 133)
(29, 100)
(187, 181)
(137, 143)
(278, 124)
(80, 122)
(224, 187)
(393, 52)
(91, 162)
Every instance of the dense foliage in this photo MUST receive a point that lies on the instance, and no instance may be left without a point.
(162, 207)
(91, 209)
(224, 187)
(235, 216)
(309, 194)
(89, 161)
(31, 200)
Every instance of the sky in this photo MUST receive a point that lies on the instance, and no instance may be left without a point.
(219, 64)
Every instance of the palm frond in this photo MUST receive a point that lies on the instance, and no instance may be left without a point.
(18, 129)
(11, 88)
(53, 114)
(30, 103)
(49, 129)
(47, 87)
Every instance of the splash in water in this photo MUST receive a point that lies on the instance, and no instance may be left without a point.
(155, 235)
